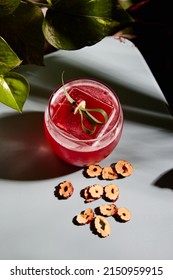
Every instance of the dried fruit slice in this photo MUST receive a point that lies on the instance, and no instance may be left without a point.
(108, 209)
(93, 170)
(124, 168)
(95, 191)
(64, 189)
(87, 195)
(123, 214)
(111, 192)
(108, 173)
(85, 217)
(102, 226)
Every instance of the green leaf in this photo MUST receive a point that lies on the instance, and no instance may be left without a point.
(126, 3)
(23, 32)
(75, 24)
(14, 90)
(8, 6)
(8, 58)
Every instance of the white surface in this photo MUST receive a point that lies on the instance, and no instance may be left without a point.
(34, 224)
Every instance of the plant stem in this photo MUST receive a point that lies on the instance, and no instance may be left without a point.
(38, 4)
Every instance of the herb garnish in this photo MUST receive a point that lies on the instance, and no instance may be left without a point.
(79, 106)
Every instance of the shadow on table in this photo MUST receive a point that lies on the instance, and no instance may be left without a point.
(24, 151)
(165, 180)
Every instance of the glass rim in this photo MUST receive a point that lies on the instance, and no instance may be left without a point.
(63, 133)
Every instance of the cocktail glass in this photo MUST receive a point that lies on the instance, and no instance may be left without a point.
(63, 127)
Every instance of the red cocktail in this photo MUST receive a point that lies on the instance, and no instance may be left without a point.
(87, 128)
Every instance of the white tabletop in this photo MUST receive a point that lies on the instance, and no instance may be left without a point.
(34, 223)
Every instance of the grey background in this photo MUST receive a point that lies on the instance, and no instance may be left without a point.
(33, 223)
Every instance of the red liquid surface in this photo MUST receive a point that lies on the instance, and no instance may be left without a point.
(64, 117)
(65, 134)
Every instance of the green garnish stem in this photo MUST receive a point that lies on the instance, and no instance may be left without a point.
(79, 106)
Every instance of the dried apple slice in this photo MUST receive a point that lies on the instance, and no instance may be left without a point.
(124, 168)
(95, 191)
(64, 190)
(87, 195)
(108, 173)
(123, 214)
(102, 226)
(93, 170)
(111, 192)
(108, 209)
(85, 217)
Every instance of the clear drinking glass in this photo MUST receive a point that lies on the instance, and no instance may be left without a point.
(63, 128)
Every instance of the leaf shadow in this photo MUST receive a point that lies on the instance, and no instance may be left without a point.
(165, 180)
(24, 151)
